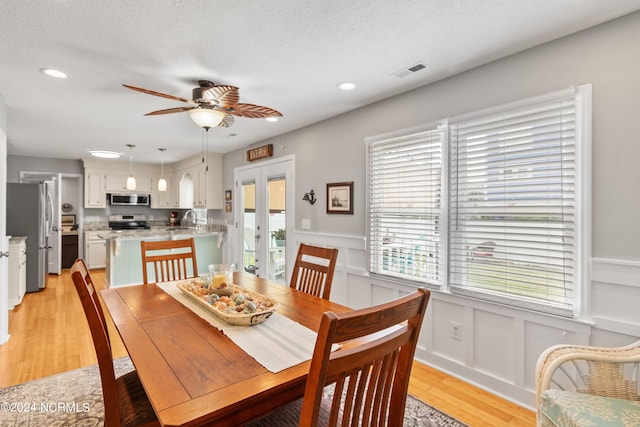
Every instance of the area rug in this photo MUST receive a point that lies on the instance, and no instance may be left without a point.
(74, 398)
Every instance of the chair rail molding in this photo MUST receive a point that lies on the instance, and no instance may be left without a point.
(520, 335)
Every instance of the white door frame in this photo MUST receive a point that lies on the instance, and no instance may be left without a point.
(4, 243)
(288, 167)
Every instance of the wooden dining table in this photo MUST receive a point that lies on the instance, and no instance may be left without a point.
(191, 371)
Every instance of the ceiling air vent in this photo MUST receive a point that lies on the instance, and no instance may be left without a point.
(410, 70)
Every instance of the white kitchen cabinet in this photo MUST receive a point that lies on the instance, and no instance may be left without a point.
(199, 187)
(17, 270)
(207, 183)
(165, 199)
(117, 183)
(205, 191)
(94, 189)
(95, 249)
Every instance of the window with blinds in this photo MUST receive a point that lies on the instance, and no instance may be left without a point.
(514, 210)
(493, 205)
(405, 203)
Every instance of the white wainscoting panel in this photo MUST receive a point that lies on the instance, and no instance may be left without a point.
(498, 346)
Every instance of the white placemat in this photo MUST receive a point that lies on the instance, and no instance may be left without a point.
(277, 344)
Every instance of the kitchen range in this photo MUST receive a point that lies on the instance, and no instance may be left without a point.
(128, 222)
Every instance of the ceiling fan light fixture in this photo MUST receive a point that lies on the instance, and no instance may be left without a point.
(206, 117)
(272, 119)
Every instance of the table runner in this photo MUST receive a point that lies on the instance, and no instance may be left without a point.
(277, 344)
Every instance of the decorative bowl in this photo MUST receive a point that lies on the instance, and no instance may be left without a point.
(235, 309)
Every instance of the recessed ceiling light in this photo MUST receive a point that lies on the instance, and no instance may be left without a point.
(272, 119)
(105, 154)
(54, 73)
(346, 86)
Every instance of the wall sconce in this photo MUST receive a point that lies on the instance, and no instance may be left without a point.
(310, 197)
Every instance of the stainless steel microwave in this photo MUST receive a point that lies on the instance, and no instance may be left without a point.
(129, 199)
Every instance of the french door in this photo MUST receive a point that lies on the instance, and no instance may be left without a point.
(264, 216)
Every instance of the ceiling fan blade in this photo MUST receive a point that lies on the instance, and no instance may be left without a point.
(252, 111)
(169, 111)
(227, 121)
(152, 92)
(223, 94)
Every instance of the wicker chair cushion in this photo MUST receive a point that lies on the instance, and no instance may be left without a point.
(558, 408)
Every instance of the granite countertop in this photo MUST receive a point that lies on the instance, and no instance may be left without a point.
(158, 232)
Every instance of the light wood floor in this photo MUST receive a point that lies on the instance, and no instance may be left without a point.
(49, 335)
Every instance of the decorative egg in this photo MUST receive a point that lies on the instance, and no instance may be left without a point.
(250, 307)
(239, 299)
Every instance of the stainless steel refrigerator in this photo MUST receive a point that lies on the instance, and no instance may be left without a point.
(29, 213)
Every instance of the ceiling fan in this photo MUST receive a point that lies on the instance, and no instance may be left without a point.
(212, 105)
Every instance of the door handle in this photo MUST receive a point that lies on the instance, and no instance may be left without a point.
(4, 254)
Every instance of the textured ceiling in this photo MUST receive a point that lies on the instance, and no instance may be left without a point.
(287, 54)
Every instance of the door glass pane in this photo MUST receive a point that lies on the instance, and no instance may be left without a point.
(249, 227)
(277, 227)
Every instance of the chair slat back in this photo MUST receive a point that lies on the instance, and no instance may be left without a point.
(313, 270)
(100, 335)
(170, 260)
(371, 373)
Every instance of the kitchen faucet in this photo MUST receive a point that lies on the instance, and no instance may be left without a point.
(194, 218)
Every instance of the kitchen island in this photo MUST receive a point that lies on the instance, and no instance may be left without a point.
(124, 256)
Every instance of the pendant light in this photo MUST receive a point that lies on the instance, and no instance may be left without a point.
(131, 181)
(162, 183)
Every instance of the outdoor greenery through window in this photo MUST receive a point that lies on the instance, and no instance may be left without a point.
(512, 224)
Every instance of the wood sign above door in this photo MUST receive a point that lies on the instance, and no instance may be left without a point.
(258, 153)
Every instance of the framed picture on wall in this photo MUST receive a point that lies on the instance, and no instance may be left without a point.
(340, 198)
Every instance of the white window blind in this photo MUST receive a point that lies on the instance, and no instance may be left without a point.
(513, 206)
(404, 198)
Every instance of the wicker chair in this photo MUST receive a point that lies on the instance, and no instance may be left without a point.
(586, 385)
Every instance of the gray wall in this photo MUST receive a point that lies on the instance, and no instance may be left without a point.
(605, 56)
(38, 164)
(3, 115)
(334, 150)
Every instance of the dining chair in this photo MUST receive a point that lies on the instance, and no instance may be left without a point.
(171, 259)
(125, 401)
(368, 355)
(313, 270)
